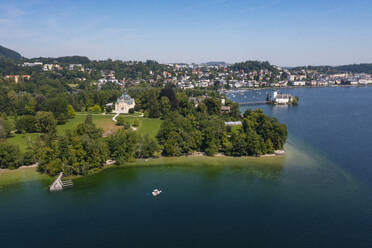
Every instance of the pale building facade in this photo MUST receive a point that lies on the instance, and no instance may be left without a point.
(123, 104)
(281, 98)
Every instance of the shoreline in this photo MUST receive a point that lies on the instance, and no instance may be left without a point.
(293, 87)
(30, 173)
(193, 160)
(23, 167)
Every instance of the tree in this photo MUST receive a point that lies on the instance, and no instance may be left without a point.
(45, 122)
(122, 145)
(58, 106)
(146, 147)
(97, 153)
(211, 149)
(26, 123)
(89, 129)
(9, 156)
(29, 157)
(171, 147)
(295, 100)
(53, 167)
(171, 95)
(165, 105)
(5, 128)
(70, 111)
(213, 106)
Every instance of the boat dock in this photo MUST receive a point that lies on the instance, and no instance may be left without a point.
(254, 103)
(60, 184)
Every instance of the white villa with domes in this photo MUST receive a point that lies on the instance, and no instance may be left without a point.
(123, 104)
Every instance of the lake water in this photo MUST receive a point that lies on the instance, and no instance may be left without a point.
(319, 196)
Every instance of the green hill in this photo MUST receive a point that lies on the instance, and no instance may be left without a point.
(253, 65)
(8, 53)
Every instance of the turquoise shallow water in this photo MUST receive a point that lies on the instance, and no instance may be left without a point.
(318, 197)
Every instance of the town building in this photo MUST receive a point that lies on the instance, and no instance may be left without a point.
(233, 123)
(51, 67)
(16, 78)
(32, 64)
(225, 109)
(299, 83)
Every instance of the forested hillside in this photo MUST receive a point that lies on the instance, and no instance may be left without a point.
(8, 53)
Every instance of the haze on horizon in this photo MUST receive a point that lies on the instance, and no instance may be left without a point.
(286, 33)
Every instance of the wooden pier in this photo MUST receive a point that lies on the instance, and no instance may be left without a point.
(60, 184)
(254, 103)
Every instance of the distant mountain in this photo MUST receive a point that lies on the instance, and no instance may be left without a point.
(10, 54)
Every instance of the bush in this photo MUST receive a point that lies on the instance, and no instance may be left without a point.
(212, 149)
(131, 111)
(42, 122)
(122, 121)
(135, 123)
(95, 109)
(70, 111)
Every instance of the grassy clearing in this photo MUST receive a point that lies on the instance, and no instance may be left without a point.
(103, 121)
(149, 127)
(70, 124)
(22, 140)
(106, 123)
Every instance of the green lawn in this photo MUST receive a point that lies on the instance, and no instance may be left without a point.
(22, 140)
(70, 124)
(103, 121)
(149, 126)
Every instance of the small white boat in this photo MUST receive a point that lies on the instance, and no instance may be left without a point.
(156, 192)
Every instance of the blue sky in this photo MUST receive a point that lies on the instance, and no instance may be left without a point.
(286, 33)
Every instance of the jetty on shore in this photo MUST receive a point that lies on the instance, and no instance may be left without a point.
(60, 184)
(254, 103)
